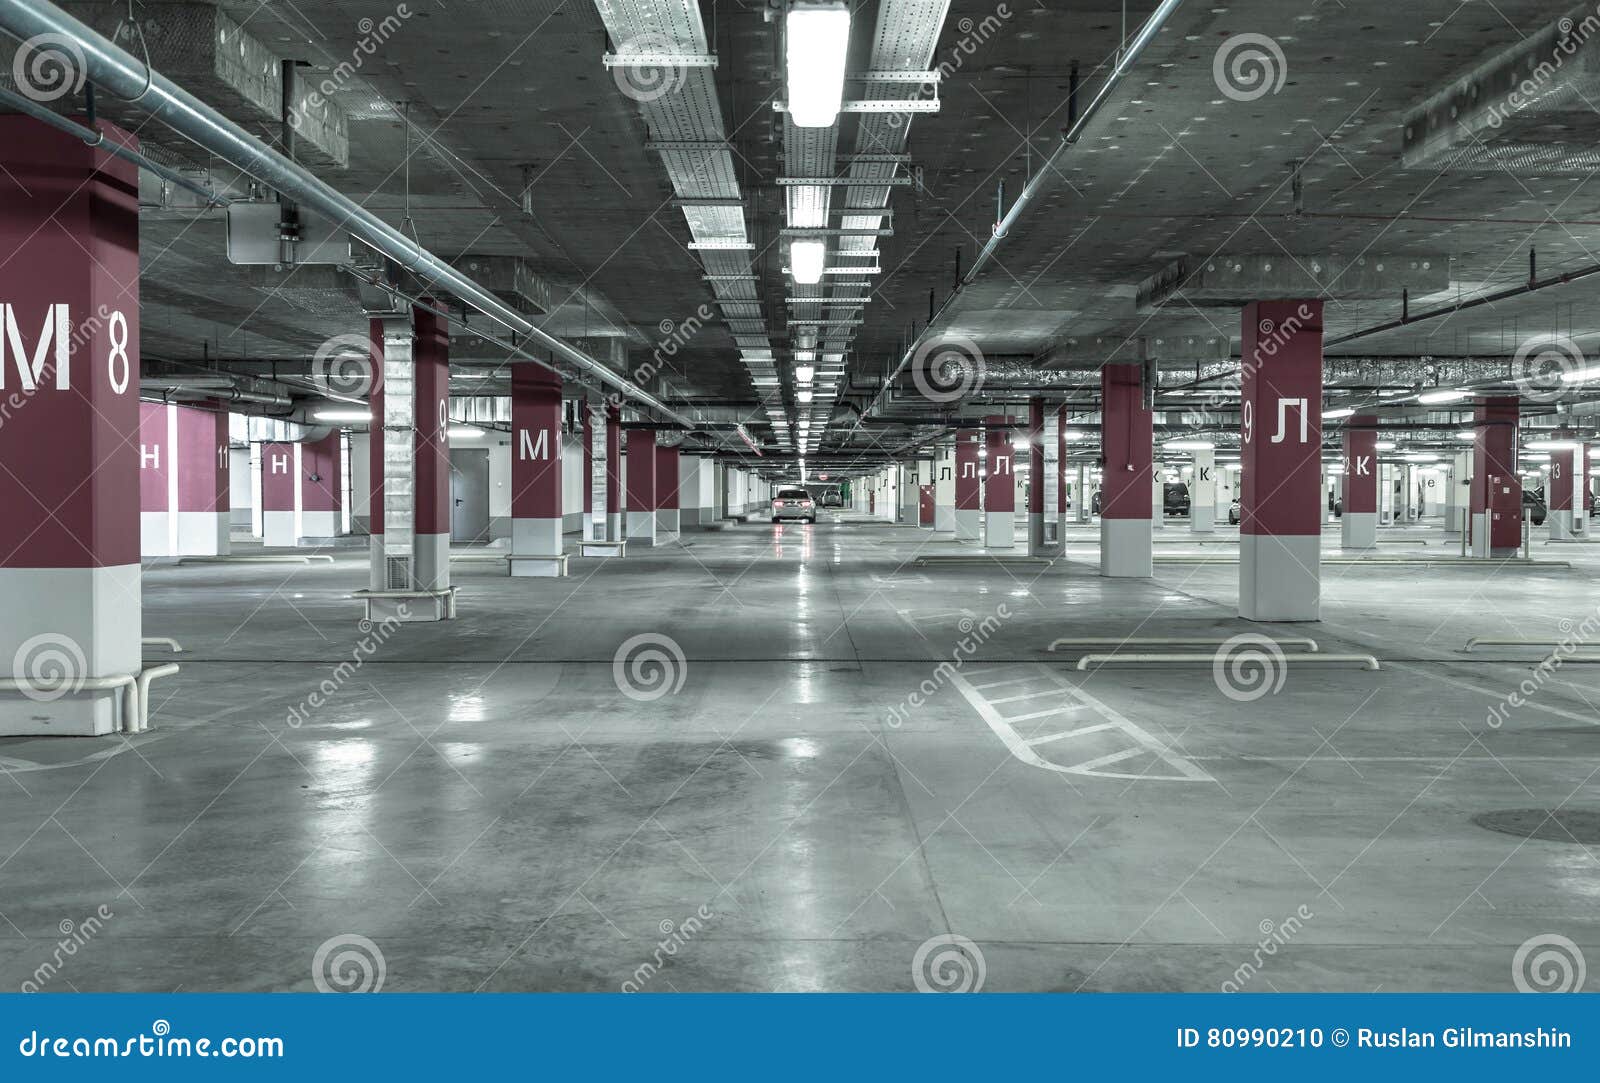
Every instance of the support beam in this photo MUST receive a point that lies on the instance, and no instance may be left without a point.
(1358, 524)
(1126, 549)
(999, 486)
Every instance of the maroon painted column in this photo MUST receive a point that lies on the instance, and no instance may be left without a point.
(536, 545)
(1036, 473)
(1061, 475)
(1358, 523)
(1566, 479)
(375, 513)
(431, 538)
(280, 496)
(158, 479)
(1126, 547)
(321, 489)
(641, 482)
(1496, 486)
(613, 473)
(969, 515)
(204, 498)
(668, 483)
(999, 486)
(1280, 505)
(588, 412)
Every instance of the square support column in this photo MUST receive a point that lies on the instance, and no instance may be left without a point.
(280, 495)
(641, 482)
(1203, 493)
(1358, 523)
(158, 478)
(1280, 508)
(613, 473)
(1036, 477)
(944, 490)
(536, 544)
(321, 490)
(431, 540)
(999, 486)
(1566, 466)
(204, 481)
(969, 511)
(1496, 525)
(69, 537)
(1126, 549)
(669, 482)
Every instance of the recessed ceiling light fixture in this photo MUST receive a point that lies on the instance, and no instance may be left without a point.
(805, 261)
(817, 37)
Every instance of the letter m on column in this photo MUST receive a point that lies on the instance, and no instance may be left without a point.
(30, 366)
(527, 448)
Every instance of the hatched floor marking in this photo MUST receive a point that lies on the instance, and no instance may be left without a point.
(1102, 723)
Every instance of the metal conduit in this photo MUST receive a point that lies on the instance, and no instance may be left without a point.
(118, 72)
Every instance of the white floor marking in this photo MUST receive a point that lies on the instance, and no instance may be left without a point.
(1073, 700)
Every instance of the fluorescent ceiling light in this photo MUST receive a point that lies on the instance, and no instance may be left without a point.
(802, 396)
(342, 415)
(1578, 376)
(1552, 445)
(1343, 411)
(804, 373)
(1443, 394)
(1421, 457)
(1384, 445)
(805, 355)
(464, 432)
(1466, 434)
(816, 39)
(805, 261)
(1188, 445)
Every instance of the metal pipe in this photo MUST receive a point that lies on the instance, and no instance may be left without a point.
(149, 91)
(96, 138)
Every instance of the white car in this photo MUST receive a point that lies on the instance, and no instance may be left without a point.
(793, 504)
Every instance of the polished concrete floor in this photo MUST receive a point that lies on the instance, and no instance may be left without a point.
(808, 797)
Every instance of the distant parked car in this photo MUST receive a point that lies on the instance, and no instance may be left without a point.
(1175, 498)
(1533, 505)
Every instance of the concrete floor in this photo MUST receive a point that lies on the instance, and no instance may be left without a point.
(482, 802)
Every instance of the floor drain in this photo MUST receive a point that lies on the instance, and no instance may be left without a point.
(1571, 826)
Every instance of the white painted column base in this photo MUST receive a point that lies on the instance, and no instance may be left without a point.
(588, 527)
(72, 623)
(375, 577)
(410, 607)
(613, 527)
(277, 529)
(1202, 518)
(155, 534)
(669, 524)
(1561, 525)
(318, 526)
(430, 561)
(204, 533)
(944, 519)
(642, 528)
(1280, 577)
(1127, 549)
(1036, 542)
(1358, 530)
(969, 524)
(536, 549)
(999, 530)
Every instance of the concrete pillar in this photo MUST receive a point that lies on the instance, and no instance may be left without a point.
(641, 484)
(944, 490)
(909, 494)
(536, 543)
(1082, 497)
(1062, 488)
(1358, 526)
(1125, 447)
(1158, 495)
(1203, 493)
(589, 433)
(1036, 476)
(613, 473)
(969, 515)
(158, 478)
(242, 510)
(1280, 527)
(280, 494)
(669, 483)
(431, 540)
(321, 490)
(204, 477)
(1566, 465)
(999, 486)
(1496, 523)
(69, 534)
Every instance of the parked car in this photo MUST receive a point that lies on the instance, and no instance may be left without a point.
(793, 504)
(1175, 498)
(1233, 511)
(1533, 504)
(832, 499)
